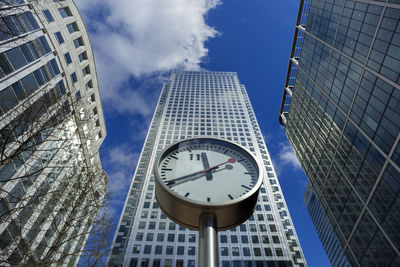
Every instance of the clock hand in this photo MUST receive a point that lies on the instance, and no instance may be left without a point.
(206, 165)
(170, 182)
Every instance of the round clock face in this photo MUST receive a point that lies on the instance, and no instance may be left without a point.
(211, 171)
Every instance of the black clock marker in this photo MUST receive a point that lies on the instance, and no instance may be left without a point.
(166, 169)
(174, 157)
(248, 188)
(208, 199)
(187, 194)
(230, 196)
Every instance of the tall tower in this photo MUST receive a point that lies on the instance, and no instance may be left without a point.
(203, 104)
(341, 112)
(51, 127)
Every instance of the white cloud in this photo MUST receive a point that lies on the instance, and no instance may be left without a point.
(120, 162)
(136, 38)
(121, 157)
(286, 158)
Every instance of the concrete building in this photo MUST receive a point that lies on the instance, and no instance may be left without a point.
(341, 112)
(200, 103)
(51, 127)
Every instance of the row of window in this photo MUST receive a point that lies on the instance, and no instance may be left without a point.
(12, 131)
(82, 57)
(17, 24)
(64, 13)
(191, 263)
(191, 250)
(27, 86)
(20, 56)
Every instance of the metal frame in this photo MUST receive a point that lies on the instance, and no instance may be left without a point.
(282, 118)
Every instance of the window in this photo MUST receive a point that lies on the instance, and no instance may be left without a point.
(275, 239)
(158, 249)
(149, 236)
(89, 85)
(147, 249)
(82, 56)
(74, 78)
(139, 236)
(268, 251)
(171, 237)
(142, 225)
(136, 249)
(72, 27)
(181, 238)
(234, 239)
(191, 250)
(254, 239)
(172, 226)
(78, 42)
(86, 71)
(67, 58)
(16, 58)
(5, 66)
(257, 251)
(181, 250)
(160, 237)
(152, 225)
(59, 37)
(48, 15)
(246, 251)
(65, 12)
(235, 251)
(169, 250)
(192, 238)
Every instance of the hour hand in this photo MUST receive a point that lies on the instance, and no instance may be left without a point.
(206, 165)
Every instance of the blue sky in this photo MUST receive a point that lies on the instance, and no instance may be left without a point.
(136, 44)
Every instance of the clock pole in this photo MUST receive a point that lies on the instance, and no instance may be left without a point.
(208, 241)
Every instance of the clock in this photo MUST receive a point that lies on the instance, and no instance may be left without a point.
(207, 175)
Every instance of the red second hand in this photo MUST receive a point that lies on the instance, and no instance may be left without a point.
(231, 160)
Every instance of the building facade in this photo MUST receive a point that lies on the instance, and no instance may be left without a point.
(51, 127)
(324, 229)
(341, 112)
(203, 104)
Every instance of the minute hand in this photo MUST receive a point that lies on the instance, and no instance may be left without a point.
(170, 182)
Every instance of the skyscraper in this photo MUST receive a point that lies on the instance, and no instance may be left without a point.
(203, 104)
(341, 112)
(51, 127)
(324, 229)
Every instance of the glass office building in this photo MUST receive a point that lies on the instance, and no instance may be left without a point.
(51, 127)
(324, 229)
(341, 112)
(203, 104)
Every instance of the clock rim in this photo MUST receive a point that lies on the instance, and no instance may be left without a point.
(196, 202)
(186, 211)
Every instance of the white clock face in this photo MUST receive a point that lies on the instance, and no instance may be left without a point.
(210, 171)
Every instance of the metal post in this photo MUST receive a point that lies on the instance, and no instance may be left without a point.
(208, 241)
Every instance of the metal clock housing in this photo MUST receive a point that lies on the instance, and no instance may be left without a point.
(207, 175)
